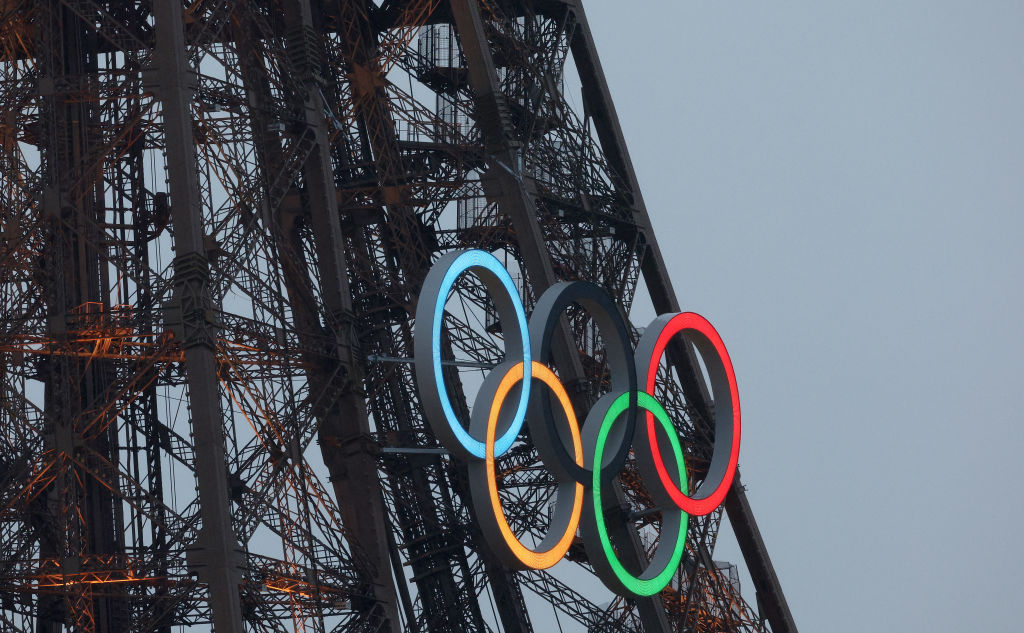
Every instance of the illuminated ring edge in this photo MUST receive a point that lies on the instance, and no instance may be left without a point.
(427, 346)
(483, 483)
(674, 520)
(725, 456)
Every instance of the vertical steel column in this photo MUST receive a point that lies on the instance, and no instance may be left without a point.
(217, 559)
(345, 427)
(504, 181)
(598, 101)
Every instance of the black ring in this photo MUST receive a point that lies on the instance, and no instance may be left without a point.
(618, 346)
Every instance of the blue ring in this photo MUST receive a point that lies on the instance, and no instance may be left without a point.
(481, 259)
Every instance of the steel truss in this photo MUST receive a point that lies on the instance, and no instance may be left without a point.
(216, 216)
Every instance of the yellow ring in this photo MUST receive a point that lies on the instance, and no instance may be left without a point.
(529, 557)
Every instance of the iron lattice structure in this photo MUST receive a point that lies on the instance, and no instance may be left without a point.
(215, 219)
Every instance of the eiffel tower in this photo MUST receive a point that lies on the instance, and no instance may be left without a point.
(216, 219)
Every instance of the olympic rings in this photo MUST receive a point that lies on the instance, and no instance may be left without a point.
(613, 329)
(429, 316)
(584, 461)
(673, 520)
(565, 522)
(726, 454)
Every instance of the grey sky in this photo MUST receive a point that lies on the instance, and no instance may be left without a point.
(838, 187)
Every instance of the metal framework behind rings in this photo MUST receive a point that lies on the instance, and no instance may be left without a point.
(581, 470)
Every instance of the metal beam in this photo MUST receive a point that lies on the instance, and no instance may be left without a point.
(598, 101)
(345, 426)
(217, 558)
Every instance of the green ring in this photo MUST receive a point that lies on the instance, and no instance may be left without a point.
(638, 586)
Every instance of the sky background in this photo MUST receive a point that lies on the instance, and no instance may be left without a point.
(839, 188)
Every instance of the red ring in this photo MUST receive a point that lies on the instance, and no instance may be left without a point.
(702, 505)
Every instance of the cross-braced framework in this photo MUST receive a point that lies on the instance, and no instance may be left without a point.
(216, 216)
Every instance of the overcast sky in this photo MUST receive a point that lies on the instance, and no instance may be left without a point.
(839, 187)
